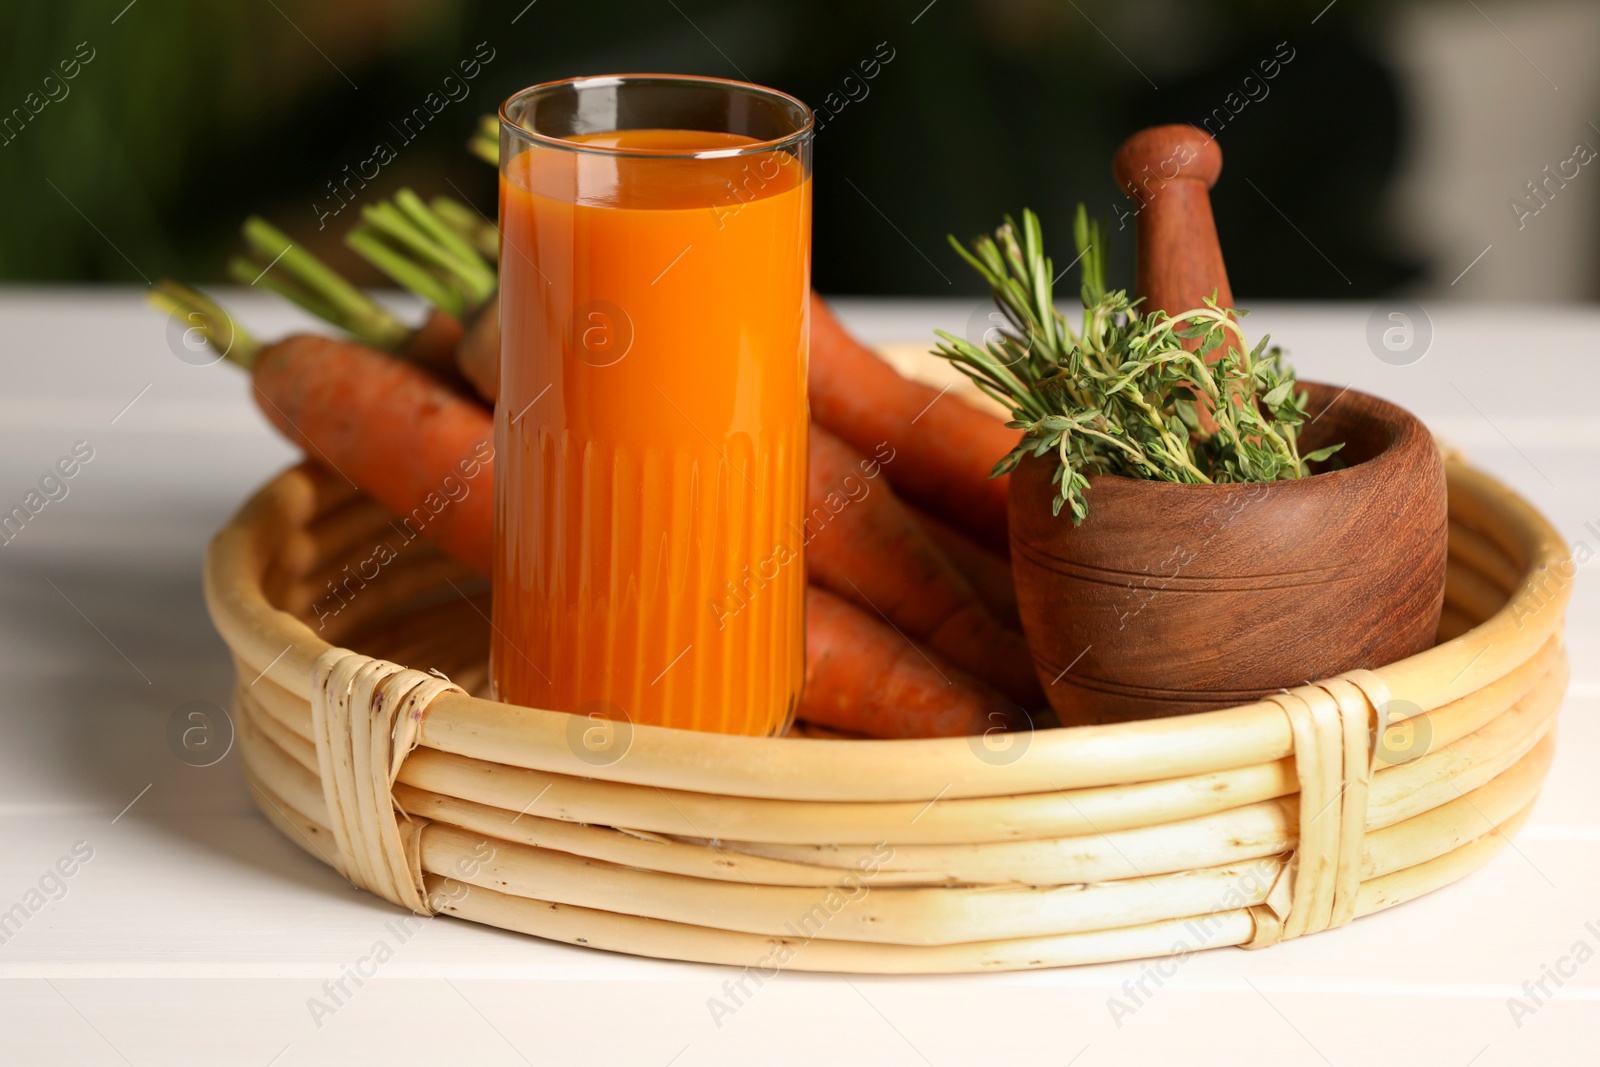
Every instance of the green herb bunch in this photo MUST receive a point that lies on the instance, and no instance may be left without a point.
(1122, 395)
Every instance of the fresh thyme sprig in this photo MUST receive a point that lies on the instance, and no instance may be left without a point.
(1121, 394)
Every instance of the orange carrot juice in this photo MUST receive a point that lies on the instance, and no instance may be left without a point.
(651, 430)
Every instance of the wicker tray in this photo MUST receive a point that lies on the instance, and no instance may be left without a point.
(1236, 827)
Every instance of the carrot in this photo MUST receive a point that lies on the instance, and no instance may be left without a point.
(866, 546)
(989, 572)
(945, 447)
(415, 446)
(863, 677)
(478, 356)
(424, 452)
(434, 344)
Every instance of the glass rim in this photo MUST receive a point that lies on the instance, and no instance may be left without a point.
(799, 136)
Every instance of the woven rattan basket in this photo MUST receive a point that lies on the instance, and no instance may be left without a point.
(1236, 827)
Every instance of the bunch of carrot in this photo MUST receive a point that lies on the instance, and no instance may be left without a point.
(911, 616)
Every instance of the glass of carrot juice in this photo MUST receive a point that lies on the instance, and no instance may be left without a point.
(650, 482)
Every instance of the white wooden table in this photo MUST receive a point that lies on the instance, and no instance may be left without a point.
(194, 934)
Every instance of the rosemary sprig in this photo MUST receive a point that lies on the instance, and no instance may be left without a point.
(1121, 394)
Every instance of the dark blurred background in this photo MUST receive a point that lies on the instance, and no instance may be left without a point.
(1389, 144)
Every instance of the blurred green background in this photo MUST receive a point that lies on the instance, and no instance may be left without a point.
(192, 114)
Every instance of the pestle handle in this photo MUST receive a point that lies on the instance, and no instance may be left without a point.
(1168, 172)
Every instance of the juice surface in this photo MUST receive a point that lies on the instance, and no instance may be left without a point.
(651, 432)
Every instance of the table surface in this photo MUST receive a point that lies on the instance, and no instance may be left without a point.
(193, 933)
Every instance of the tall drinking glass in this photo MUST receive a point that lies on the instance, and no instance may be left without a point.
(650, 480)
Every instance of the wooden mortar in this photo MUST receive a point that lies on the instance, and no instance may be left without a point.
(1173, 598)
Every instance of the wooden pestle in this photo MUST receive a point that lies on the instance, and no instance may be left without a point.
(1168, 172)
